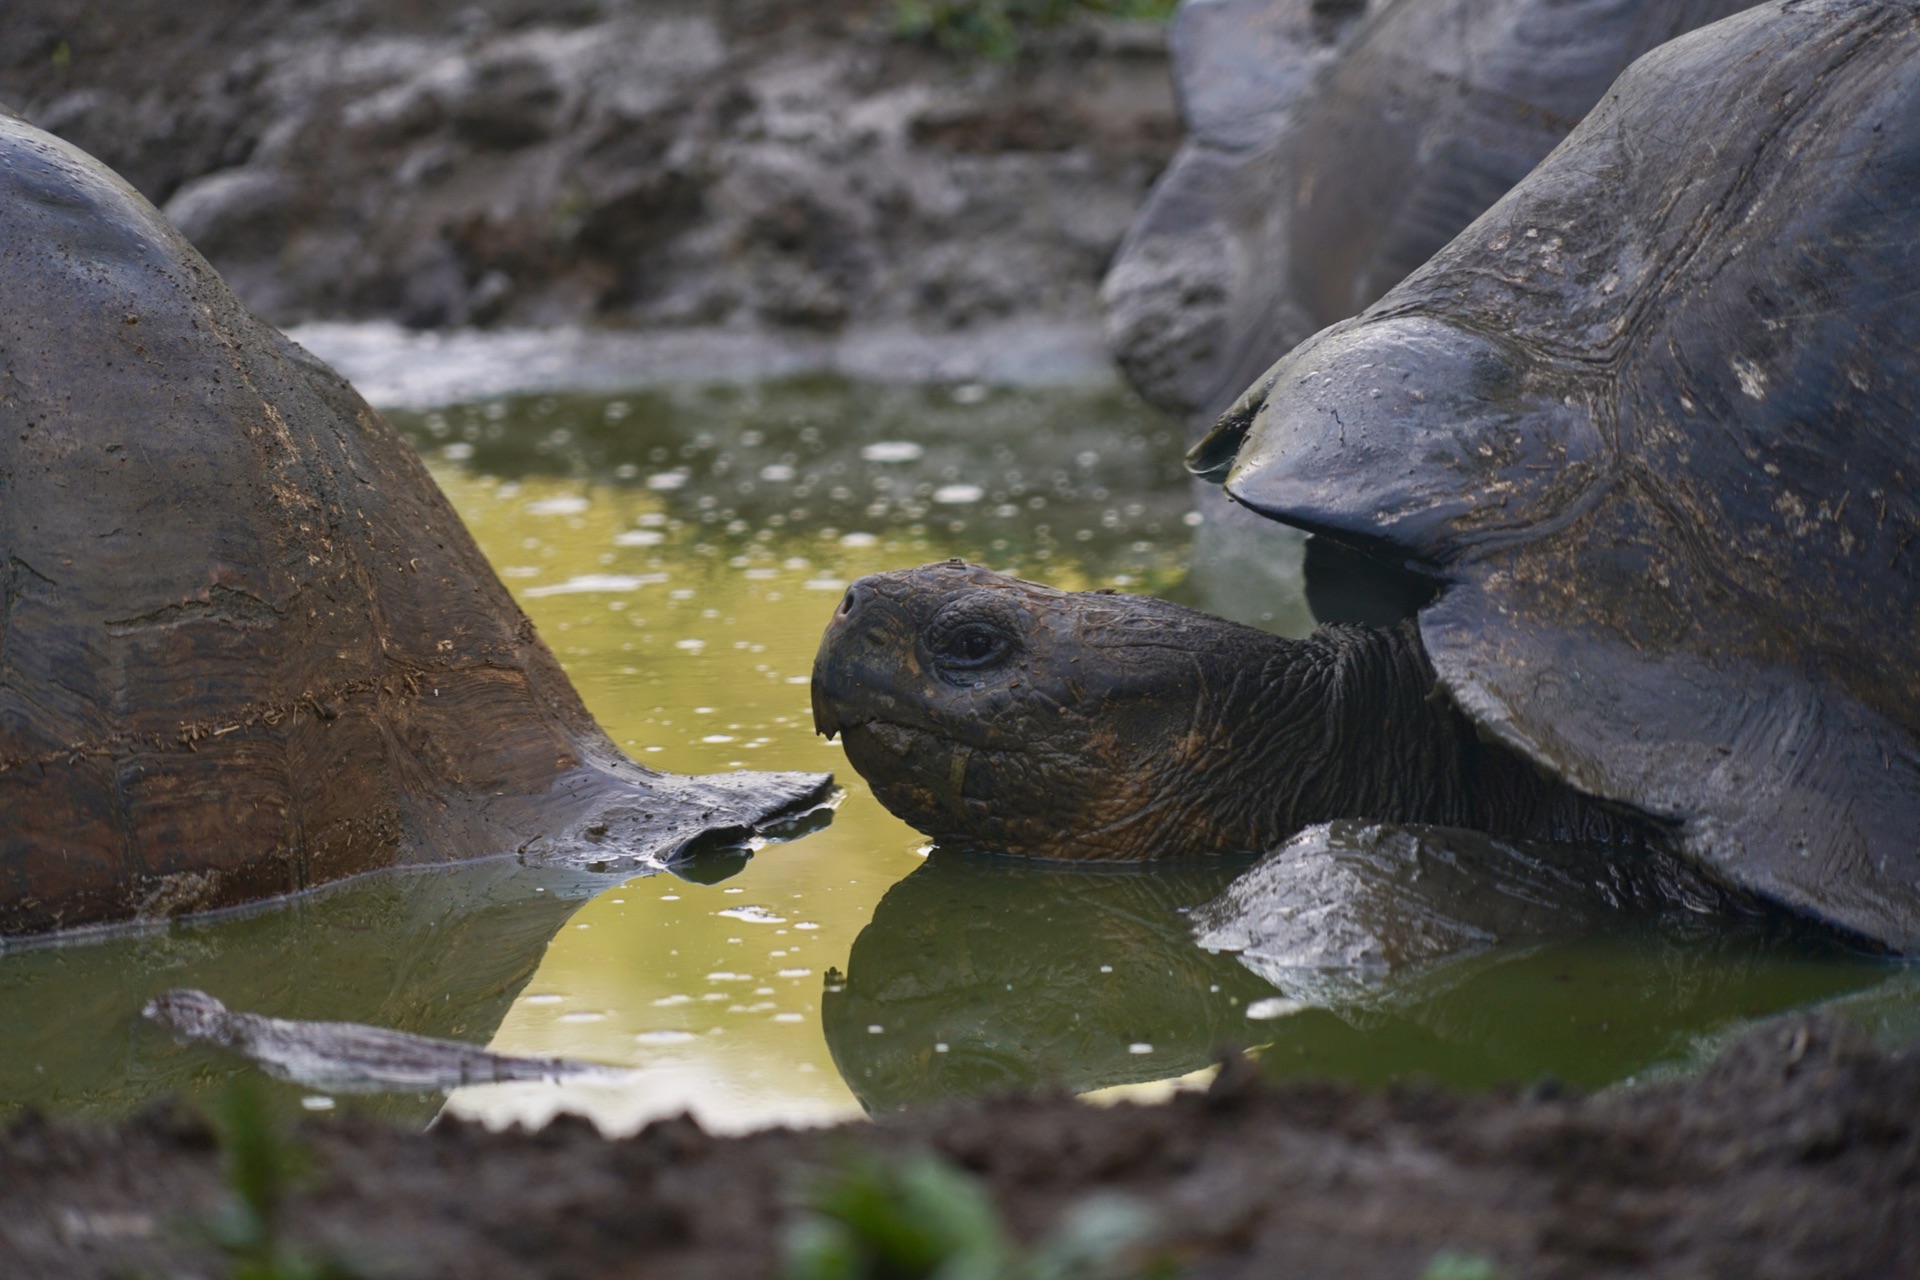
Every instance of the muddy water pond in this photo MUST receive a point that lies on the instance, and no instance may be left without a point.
(681, 549)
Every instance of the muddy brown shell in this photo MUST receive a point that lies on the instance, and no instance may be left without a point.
(246, 646)
(1651, 421)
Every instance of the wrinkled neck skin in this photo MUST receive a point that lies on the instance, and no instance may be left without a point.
(999, 714)
(1355, 721)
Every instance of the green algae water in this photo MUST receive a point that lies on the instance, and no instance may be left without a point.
(681, 550)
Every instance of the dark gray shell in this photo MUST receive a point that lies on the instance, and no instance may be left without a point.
(246, 647)
(1652, 419)
(1326, 159)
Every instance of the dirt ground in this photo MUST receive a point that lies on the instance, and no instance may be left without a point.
(1796, 1154)
(767, 166)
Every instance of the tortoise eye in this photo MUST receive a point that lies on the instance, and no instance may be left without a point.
(975, 645)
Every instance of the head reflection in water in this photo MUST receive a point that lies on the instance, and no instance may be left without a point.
(989, 974)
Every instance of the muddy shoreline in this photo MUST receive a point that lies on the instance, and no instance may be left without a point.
(1796, 1154)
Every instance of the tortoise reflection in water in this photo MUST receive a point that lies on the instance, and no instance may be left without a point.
(983, 974)
(1647, 424)
(246, 646)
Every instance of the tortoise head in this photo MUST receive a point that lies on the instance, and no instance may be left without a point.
(995, 713)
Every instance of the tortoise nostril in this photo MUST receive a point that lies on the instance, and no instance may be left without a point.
(846, 605)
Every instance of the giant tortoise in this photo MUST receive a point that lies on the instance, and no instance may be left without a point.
(246, 646)
(1647, 424)
(1334, 147)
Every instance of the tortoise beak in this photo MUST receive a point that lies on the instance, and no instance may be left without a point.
(1213, 457)
(827, 720)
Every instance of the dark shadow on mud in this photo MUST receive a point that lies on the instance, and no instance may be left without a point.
(1036, 975)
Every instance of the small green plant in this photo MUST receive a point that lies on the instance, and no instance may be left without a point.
(999, 28)
(1448, 1265)
(923, 1219)
(261, 1166)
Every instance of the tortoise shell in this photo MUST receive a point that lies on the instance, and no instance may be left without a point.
(246, 646)
(1332, 150)
(1651, 420)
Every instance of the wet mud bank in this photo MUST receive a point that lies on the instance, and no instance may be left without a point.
(1796, 1154)
(747, 166)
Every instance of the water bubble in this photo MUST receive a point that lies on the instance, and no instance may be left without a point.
(859, 540)
(892, 451)
(690, 645)
(958, 494)
(569, 504)
(668, 1002)
(667, 481)
(752, 915)
(1273, 1007)
(639, 538)
(596, 582)
(777, 472)
(969, 393)
(664, 1037)
(1141, 1048)
(458, 451)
